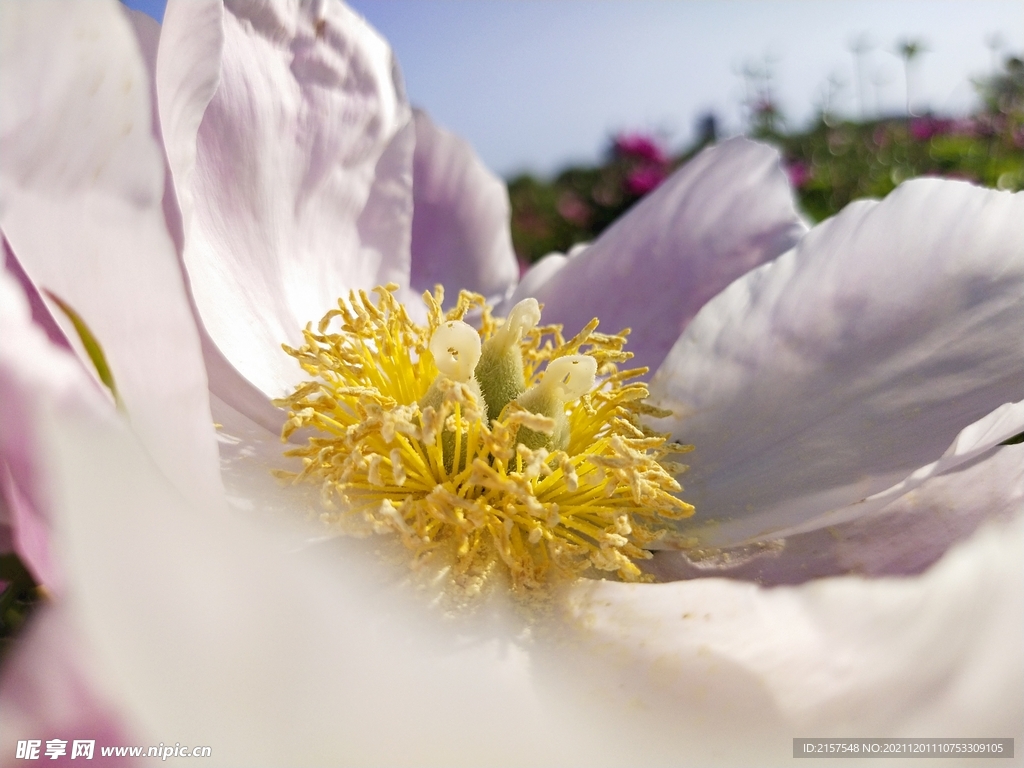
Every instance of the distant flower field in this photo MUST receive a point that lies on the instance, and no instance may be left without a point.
(829, 164)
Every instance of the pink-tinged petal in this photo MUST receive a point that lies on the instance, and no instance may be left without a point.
(81, 182)
(30, 365)
(904, 537)
(723, 213)
(460, 225)
(147, 35)
(29, 528)
(223, 377)
(534, 279)
(972, 442)
(26, 527)
(47, 686)
(48, 691)
(6, 534)
(41, 315)
(851, 362)
(939, 653)
(291, 147)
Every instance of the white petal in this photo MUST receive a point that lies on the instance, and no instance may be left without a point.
(973, 441)
(851, 362)
(249, 455)
(81, 184)
(903, 537)
(39, 312)
(206, 630)
(936, 654)
(534, 280)
(223, 377)
(291, 145)
(723, 213)
(460, 226)
(200, 68)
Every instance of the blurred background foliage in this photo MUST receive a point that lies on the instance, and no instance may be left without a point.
(829, 163)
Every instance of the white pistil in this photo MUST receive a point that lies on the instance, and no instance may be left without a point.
(455, 347)
(570, 377)
(524, 317)
(563, 381)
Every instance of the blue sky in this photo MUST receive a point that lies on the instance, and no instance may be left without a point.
(536, 84)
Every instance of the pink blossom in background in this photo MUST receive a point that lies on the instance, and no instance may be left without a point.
(640, 146)
(962, 126)
(924, 128)
(644, 179)
(572, 209)
(799, 173)
(649, 162)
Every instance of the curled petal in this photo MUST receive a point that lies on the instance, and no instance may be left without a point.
(81, 204)
(290, 142)
(720, 215)
(903, 537)
(839, 370)
(460, 230)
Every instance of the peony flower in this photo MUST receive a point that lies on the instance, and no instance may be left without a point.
(847, 388)
(642, 180)
(639, 146)
(799, 173)
(646, 160)
(924, 128)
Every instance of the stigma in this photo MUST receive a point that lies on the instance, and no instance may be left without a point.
(500, 448)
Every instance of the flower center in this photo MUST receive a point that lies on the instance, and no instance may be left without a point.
(504, 447)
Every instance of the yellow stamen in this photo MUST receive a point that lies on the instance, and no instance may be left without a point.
(404, 442)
